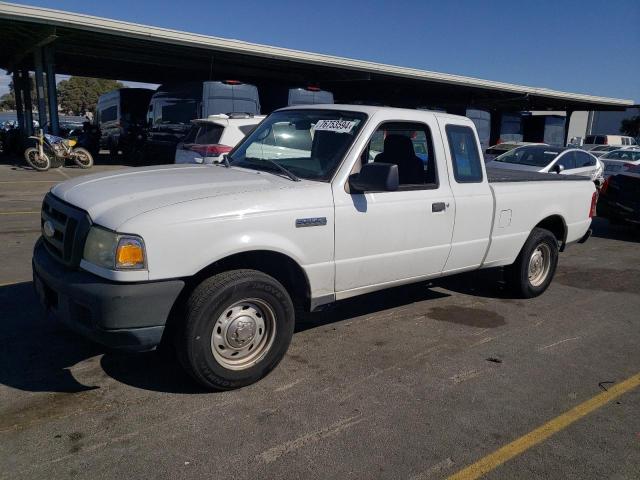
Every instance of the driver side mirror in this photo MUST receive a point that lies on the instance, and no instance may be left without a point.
(557, 168)
(375, 177)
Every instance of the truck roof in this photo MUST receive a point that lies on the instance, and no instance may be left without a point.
(371, 109)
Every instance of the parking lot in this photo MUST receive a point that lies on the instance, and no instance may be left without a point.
(416, 382)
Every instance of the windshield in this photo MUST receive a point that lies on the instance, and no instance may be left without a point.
(538, 156)
(628, 155)
(308, 143)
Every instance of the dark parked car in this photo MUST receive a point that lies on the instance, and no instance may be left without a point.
(121, 118)
(619, 199)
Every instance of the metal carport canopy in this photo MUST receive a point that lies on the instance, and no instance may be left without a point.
(92, 46)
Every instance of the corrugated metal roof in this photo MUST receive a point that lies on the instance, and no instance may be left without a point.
(119, 28)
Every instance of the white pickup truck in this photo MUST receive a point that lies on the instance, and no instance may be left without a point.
(221, 259)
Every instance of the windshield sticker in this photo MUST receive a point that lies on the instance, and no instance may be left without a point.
(550, 153)
(337, 126)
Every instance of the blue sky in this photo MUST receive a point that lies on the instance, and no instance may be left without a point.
(583, 46)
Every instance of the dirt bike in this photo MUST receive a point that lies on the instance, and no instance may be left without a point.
(51, 152)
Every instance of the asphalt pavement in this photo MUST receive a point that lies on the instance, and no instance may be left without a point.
(417, 382)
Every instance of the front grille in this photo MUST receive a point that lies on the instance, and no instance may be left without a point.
(70, 228)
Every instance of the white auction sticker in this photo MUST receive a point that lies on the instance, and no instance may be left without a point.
(338, 126)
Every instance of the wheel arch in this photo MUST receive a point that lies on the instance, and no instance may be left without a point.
(557, 226)
(275, 264)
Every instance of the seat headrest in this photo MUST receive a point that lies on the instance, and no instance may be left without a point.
(398, 145)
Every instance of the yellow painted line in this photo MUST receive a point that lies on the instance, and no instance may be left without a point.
(515, 448)
(19, 213)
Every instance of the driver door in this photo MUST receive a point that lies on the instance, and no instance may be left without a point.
(386, 238)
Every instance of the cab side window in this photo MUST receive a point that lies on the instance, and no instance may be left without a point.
(464, 154)
(409, 145)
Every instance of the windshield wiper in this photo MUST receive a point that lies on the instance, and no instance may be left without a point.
(292, 176)
(286, 171)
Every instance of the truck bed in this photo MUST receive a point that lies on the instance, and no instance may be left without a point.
(499, 175)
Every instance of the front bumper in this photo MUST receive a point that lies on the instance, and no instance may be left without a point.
(130, 316)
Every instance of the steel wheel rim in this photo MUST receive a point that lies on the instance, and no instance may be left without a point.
(539, 265)
(243, 334)
(37, 160)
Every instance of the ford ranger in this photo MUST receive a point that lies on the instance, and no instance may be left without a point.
(316, 205)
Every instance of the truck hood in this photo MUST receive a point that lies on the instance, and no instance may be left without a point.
(113, 198)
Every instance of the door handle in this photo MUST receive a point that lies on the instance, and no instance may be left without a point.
(438, 207)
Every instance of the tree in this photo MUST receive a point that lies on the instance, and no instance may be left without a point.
(8, 100)
(631, 126)
(78, 95)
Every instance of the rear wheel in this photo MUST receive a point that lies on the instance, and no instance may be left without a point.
(82, 157)
(238, 326)
(533, 270)
(42, 163)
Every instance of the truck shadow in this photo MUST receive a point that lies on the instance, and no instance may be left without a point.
(487, 283)
(38, 355)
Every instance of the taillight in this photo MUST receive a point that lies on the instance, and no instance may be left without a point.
(313, 88)
(232, 82)
(628, 166)
(605, 185)
(213, 150)
(594, 202)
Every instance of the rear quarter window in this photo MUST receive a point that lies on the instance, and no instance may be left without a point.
(204, 134)
(464, 154)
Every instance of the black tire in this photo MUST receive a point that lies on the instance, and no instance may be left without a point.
(517, 275)
(205, 310)
(82, 157)
(35, 161)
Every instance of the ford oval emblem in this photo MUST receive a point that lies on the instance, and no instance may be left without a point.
(48, 229)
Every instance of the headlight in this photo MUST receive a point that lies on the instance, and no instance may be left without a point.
(114, 251)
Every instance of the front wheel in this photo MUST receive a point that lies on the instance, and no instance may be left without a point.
(42, 163)
(533, 270)
(82, 157)
(238, 326)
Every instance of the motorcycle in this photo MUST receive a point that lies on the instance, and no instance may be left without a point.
(51, 151)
